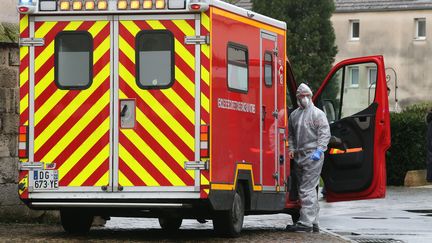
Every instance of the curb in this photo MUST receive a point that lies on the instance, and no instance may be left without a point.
(337, 235)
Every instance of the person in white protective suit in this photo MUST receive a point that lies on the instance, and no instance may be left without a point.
(309, 134)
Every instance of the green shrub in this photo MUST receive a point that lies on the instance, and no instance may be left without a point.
(408, 138)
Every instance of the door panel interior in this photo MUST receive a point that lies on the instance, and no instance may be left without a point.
(350, 171)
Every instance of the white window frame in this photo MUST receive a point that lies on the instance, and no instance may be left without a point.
(417, 20)
(350, 76)
(369, 70)
(352, 22)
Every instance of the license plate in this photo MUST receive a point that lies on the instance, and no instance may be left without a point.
(45, 179)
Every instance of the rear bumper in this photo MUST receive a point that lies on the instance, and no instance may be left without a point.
(147, 208)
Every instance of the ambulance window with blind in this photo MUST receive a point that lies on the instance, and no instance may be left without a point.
(155, 59)
(73, 60)
(238, 68)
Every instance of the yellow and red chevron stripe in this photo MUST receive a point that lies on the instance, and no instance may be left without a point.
(24, 98)
(72, 126)
(24, 71)
(153, 153)
(205, 92)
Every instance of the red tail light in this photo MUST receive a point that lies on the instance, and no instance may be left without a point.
(205, 141)
(23, 142)
(195, 7)
(23, 9)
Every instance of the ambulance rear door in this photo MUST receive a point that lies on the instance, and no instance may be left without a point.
(354, 97)
(69, 94)
(156, 114)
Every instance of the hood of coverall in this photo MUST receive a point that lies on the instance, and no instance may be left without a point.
(303, 89)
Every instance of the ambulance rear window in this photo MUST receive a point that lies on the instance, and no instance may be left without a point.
(73, 60)
(238, 68)
(155, 59)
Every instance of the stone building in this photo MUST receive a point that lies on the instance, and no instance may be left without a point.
(400, 30)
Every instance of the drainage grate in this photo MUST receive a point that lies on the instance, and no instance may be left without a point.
(377, 240)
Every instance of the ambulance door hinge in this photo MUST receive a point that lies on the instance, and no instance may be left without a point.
(275, 113)
(196, 165)
(197, 40)
(29, 166)
(31, 42)
(276, 51)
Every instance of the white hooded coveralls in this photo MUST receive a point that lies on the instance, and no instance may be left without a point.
(308, 131)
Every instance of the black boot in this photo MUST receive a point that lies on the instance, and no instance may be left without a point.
(315, 228)
(298, 228)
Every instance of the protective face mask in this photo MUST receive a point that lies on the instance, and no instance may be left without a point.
(303, 102)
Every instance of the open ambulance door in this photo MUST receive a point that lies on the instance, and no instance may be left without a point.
(354, 97)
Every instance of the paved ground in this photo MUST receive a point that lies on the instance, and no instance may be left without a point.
(405, 215)
(135, 230)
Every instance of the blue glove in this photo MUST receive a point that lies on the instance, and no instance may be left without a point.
(316, 155)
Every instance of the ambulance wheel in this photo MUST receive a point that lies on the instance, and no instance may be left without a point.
(75, 221)
(170, 223)
(230, 223)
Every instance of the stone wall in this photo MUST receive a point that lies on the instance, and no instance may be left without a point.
(9, 117)
(11, 208)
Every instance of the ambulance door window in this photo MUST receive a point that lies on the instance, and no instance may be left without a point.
(350, 91)
(155, 59)
(73, 60)
(268, 69)
(330, 99)
(238, 68)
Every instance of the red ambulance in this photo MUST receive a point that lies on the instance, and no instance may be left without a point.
(177, 109)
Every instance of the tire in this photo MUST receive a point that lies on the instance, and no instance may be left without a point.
(230, 223)
(76, 221)
(170, 223)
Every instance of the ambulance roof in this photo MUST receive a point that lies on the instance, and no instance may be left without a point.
(52, 7)
(248, 13)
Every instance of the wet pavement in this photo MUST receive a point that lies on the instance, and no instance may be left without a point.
(257, 229)
(405, 215)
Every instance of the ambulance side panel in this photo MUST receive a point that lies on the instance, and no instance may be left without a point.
(236, 116)
(234, 131)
